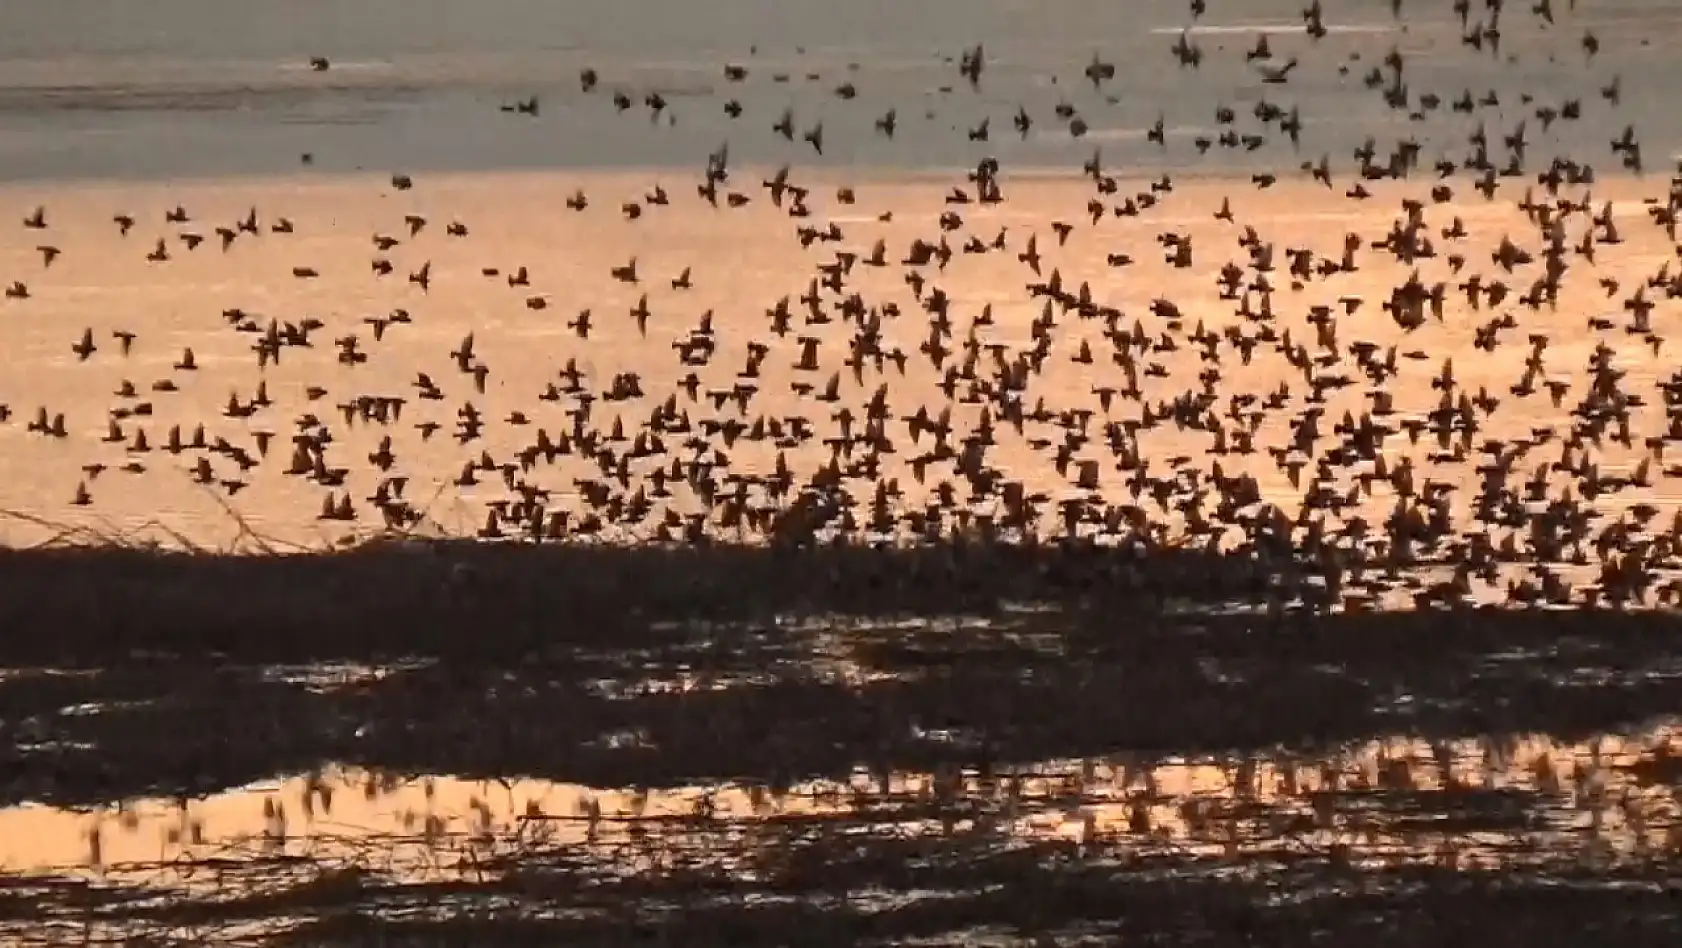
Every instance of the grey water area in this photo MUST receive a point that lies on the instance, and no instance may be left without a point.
(102, 89)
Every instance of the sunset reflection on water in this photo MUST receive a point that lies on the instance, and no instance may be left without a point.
(1475, 802)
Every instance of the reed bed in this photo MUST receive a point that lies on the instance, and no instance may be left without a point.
(395, 594)
(90, 597)
(778, 664)
(734, 659)
(1396, 864)
(712, 702)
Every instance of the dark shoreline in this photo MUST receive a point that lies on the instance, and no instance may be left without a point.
(508, 645)
(386, 600)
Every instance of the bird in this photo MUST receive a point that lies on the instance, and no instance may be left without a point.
(84, 349)
(1328, 374)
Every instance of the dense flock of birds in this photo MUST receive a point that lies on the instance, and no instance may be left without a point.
(865, 411)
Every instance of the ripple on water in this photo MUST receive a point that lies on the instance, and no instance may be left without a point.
(1527, 805)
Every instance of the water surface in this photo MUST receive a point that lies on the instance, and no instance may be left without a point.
(178, 88)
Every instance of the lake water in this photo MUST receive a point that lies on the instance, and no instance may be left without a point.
(181, 88)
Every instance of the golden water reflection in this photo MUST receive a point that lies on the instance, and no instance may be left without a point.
(1470, 803)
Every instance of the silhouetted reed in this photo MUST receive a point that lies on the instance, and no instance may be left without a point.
(388, 597)
(871, 873)
(784, 701)
(91, 598)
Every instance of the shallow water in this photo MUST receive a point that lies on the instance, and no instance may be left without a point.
(849, 767)
(1557, 787)
(1525, 805)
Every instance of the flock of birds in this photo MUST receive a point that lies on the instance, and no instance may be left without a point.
(875, 404)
